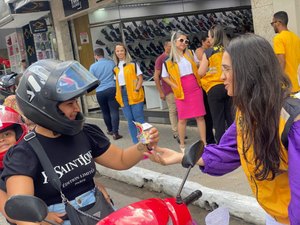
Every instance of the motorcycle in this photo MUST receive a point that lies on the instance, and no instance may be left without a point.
(154, 211)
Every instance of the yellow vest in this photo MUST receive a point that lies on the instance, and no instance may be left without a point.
(131, 80)
(213, 75)
(173, 71)
(273, 195)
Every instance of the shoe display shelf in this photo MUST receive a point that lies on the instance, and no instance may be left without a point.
(145, 38)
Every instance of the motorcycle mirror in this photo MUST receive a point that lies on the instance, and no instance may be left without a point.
(192, 154)
(26, 208)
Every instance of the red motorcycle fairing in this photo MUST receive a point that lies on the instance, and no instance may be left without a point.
(179, 213)
(152, 211)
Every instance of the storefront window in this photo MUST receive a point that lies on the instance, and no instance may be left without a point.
(145, 37)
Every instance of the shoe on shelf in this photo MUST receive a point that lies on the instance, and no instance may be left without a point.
(109, 132)
(117, 136)
(182, 148)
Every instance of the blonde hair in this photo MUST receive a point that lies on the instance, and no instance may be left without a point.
(128, 58)
(174, 54)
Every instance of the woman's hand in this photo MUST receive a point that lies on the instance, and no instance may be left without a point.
(164, 156)
(154, 137)
(55, 217)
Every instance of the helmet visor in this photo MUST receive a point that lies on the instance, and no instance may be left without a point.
(8, 117)
(75, 78)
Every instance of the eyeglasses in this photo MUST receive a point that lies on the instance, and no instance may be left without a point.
(185, 41)
(274, 22)
(226, 69)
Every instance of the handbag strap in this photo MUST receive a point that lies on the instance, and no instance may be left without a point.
(44, 160)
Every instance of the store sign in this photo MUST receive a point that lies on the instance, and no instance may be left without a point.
(29, 6)
(74, 6)
(84, 38)
(38, 26)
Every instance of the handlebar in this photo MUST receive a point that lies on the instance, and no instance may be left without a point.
(192, 197)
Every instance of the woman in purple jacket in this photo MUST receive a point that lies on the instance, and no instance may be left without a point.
(253, 77)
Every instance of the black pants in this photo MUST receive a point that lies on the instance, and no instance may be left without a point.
(210, 138)
(220, 105)
(110, 108)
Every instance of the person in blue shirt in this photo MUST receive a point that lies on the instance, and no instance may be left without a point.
(102, 69)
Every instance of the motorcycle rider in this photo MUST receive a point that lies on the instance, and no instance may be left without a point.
(12, 131)
(48, 94)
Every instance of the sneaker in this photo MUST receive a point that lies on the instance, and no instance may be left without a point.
(109, 132)
(177, 138)
(117, 136)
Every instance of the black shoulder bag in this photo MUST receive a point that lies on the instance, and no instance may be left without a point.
(87, 215)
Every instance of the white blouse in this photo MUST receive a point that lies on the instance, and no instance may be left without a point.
(121, 78)
(185, 68)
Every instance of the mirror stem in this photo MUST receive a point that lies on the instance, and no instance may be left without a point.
(178, 196)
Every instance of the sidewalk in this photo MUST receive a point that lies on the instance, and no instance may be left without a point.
(231, 190)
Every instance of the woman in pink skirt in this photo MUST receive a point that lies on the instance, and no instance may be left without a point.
(180, 72)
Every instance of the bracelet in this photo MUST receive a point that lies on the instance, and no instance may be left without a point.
(148, 147)
(142, 147)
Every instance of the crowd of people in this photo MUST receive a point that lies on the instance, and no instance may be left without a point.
(241, 92)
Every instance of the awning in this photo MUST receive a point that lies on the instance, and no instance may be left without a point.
(22, 12)
(20, 20)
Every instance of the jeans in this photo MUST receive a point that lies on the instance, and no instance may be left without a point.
(80, 201)
(132, 113)
(110, 109)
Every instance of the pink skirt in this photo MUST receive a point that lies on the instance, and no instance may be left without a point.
(192, 105)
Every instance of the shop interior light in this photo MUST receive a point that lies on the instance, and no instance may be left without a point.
(136, 5)
(6, 20)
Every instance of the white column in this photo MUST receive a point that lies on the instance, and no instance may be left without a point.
(263, 11)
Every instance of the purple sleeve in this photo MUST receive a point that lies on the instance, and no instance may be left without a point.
(224, 157)
(294, 172)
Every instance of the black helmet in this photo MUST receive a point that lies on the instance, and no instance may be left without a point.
(47, 83)
(8, 84)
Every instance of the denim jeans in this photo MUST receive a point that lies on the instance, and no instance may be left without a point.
(132, 113)
(80, 201)
(110, 108)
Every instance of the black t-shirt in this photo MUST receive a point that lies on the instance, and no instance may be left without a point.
(71, 157)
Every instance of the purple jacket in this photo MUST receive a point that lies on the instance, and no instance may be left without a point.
(224, 158)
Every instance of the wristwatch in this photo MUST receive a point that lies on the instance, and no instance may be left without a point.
(136, 90)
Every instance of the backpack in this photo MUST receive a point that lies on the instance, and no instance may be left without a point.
(292, 107)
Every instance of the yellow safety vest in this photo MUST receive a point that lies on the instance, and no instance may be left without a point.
(131, 80)
(213, 75)
(273, 195)
(173, 71)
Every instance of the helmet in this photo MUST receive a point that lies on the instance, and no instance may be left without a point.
(45, 84)
(8, 84)
(10, 119)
